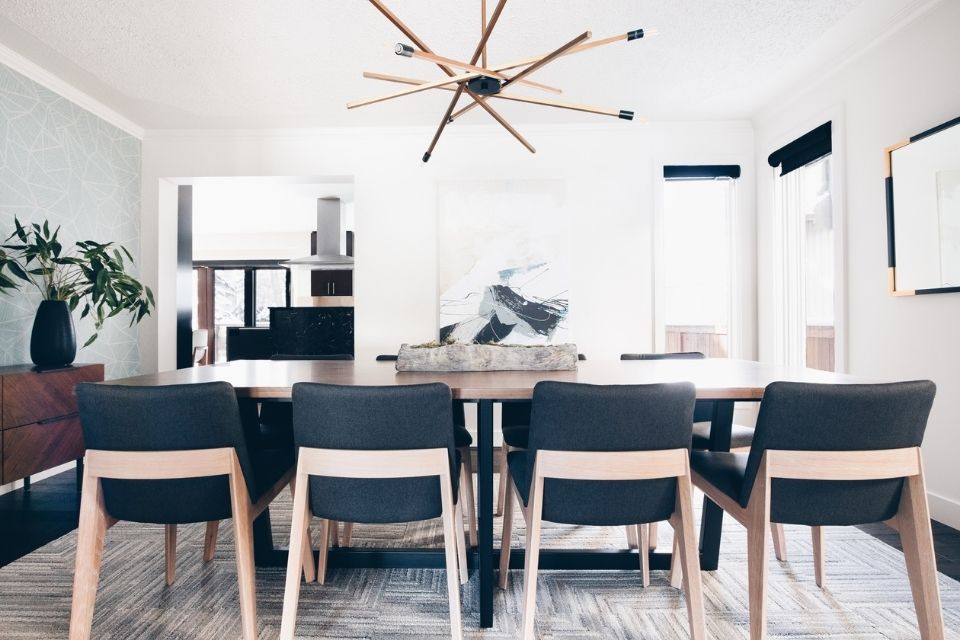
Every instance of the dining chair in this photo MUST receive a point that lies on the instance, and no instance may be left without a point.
(198, 341)
(605, 456)
(170, 455)
(831, 455)
(373, 455)
(740, 439)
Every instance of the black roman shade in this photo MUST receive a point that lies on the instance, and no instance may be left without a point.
(802, 151)
(701, 172)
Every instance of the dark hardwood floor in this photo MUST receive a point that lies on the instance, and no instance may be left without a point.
(31, 519)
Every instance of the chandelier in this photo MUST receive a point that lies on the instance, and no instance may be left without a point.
(482, 82)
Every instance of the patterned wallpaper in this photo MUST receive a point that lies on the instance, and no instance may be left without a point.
(62, 163)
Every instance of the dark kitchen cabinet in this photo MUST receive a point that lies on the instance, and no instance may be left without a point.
(331, 283)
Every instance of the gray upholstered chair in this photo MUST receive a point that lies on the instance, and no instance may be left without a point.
(170, 455)
(831, 455)
(605, 456)
(373, 455)
(740, 439)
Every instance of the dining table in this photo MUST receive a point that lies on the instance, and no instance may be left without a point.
(723, 381)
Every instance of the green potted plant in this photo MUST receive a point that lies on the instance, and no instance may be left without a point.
(90, 273)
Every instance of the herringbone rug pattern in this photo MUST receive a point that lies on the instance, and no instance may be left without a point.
(867, 596)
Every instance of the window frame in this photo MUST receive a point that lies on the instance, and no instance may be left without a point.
(738, 343)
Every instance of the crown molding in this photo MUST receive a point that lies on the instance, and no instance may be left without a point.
(38, 74)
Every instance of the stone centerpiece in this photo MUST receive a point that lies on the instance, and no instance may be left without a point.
(487, 357)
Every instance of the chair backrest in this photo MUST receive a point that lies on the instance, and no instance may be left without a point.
(384, 357)
(703, 411)
(374, 418)
(823, 417)
(582, 417)
(165, 418)
(676, 355)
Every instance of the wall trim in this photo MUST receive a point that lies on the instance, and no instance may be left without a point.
(38, 74)
(944, 509)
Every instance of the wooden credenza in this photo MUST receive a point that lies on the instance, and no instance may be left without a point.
(39, 425)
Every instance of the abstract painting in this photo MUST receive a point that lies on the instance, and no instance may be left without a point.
(502, 255)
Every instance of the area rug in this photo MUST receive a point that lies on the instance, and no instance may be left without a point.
(867, 595)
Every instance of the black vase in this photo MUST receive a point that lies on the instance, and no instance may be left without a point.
(53, 342)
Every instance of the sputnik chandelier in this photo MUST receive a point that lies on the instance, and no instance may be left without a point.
(482, 82)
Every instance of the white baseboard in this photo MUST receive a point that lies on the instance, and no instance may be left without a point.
(945, 510)
(13, 486)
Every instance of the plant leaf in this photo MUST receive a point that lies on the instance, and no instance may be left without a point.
(89, 340)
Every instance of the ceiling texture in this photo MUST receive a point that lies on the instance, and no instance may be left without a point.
(296, 63)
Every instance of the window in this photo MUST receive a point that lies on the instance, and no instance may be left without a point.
(807, 294)
(237, 295)
(696, 273)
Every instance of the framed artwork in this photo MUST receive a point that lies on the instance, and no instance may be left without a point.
(502, 273)
(923, 212)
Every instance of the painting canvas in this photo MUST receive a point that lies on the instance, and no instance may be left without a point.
(948, 204)
(503, 249)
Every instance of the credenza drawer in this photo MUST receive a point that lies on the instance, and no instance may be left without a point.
(36, 447)
(30, 397)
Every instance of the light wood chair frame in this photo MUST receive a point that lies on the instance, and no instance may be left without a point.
(912, 521)
(164, 465)
(351, 463)
(608, 465)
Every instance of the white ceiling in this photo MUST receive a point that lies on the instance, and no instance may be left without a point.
(250, 63)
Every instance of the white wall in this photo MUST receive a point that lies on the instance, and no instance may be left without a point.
(609, 173)
(901, 86)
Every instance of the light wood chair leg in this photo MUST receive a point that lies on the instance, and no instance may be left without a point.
(505, 541)
(309, 568)
(91, 532)
(450, 540)
(504, 478)
(916, 537)
(243, 535)
(347, 534)
(690, 558)
(532, 564)
(632, 540)
(779, 541)
(676, 566)
(469, 501)
(758, 527)
(170, 552)
(643, 548)
(210, 540)
(299, 540)
(462, 570)
(653, 535)
(325, 526)
(818, 551)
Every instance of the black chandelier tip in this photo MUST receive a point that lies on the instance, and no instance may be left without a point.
(635, 34)
(426, 156)
(625, 115)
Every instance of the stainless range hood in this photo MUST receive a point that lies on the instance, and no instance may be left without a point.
(327, 256)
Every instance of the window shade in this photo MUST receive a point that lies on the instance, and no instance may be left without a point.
(802, 151)
(701, 172)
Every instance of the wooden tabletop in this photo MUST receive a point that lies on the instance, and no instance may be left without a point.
(715, 379)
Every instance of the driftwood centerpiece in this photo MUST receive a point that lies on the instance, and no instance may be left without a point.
(487, 357)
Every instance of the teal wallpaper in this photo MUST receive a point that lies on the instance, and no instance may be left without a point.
(62, 163)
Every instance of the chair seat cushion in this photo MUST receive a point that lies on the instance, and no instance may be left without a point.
(517, 436)
(722, 469)
(461, 436)
(740, 436)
